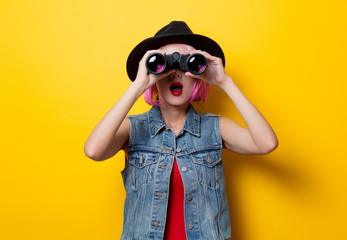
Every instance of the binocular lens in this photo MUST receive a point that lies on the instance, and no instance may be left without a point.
(156, 63)
(197, 63)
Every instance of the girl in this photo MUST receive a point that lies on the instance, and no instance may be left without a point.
(173, 175)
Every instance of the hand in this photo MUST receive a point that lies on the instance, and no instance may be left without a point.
(145, 78)
(215, 73)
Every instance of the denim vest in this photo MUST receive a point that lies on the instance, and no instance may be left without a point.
(151, 151)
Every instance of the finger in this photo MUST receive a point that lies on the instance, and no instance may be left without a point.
(189, 74)
(149, 52)
(199, 51)
(165, 74)
(156, 51)
(160, 76)
(208, 56)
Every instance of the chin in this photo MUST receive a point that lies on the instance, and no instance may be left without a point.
(176, 102)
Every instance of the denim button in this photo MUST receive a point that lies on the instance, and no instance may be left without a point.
(178, 150)
(184, 169)
(190, 226)
(189, 198)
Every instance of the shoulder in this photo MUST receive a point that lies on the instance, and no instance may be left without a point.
(141, 116)
(210, 128)
(209, 119)
(208, 115)
(228, 124)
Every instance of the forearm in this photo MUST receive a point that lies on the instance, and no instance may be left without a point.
(105, 131)
(260, 130)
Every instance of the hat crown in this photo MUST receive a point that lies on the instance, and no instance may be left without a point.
(175, 27)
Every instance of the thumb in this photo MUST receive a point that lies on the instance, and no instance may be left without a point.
(165, 74)
(189, 74)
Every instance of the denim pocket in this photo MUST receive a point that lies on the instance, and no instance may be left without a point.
(142, 164)
(208, 165)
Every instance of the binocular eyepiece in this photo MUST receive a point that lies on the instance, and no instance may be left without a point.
(195, 63)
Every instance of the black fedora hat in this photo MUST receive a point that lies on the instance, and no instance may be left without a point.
(174, 32)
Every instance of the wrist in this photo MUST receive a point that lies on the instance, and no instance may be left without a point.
(225, 83)
(138, 87)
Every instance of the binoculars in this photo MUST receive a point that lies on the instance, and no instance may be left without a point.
(195, 63)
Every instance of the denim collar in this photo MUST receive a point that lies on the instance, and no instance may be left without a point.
(156, 122)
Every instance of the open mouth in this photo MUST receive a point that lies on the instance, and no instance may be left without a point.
(176, 88)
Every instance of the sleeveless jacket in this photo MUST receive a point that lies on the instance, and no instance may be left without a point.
(151, 151)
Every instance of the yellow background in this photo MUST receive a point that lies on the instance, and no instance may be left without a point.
(62, 67)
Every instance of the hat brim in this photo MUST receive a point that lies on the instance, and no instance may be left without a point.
(195, 40)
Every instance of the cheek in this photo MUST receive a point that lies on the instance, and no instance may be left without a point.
(162, 89)
(189, 86)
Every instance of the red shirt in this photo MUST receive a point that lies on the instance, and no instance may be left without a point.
(174, 228)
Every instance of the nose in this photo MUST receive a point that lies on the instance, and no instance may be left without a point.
(176, 74)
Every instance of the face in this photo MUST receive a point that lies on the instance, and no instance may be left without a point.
(176, 88)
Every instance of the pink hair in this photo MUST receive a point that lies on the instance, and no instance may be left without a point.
(200, 90)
